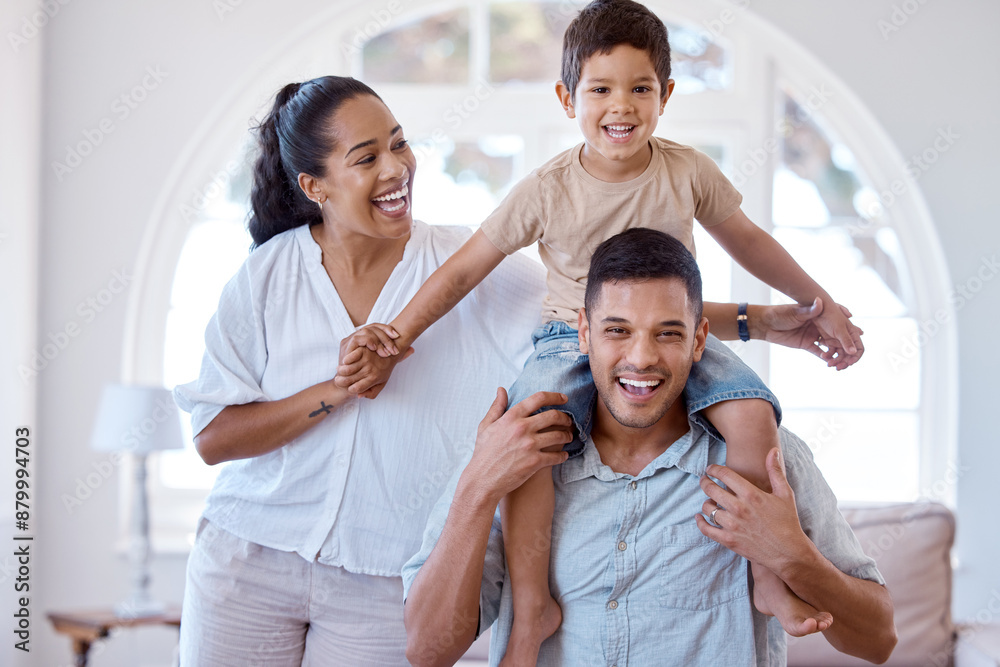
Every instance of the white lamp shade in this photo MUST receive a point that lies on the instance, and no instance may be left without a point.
(136, 419)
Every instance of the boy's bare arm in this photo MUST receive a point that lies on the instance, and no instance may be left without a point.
(790, 325)
(448, 285)
(758, 252)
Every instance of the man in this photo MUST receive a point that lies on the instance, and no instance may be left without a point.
(642, 578)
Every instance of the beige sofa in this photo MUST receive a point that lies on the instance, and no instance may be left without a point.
(911, 542)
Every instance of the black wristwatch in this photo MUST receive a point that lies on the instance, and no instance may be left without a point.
(741, 322)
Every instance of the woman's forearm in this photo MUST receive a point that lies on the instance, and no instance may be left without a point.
(245, 431)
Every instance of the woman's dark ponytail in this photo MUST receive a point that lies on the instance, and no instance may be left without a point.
(295, 137)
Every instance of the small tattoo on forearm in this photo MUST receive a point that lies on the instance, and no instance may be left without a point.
(323, 409)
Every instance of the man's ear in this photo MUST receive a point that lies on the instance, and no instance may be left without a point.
(666, 95)
(583, 327)
(700, 336)
(566, 100)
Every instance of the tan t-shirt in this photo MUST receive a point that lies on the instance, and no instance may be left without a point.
(570, 213)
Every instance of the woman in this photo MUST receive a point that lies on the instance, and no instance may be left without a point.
(298, 553)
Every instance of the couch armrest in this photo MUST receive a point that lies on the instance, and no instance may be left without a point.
(978, 645)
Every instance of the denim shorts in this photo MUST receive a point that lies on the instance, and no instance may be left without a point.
(558, 365)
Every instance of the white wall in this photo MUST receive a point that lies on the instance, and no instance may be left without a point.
(938, 71)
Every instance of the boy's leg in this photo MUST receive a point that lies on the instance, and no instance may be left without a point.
(526, 516)
(526, 513)
(742, 409)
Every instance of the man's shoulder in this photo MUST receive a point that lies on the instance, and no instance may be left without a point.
(797, 453)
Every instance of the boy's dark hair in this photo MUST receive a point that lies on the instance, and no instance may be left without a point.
(603, 25)
(643, 254)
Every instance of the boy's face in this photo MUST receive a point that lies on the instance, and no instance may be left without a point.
(618, 102)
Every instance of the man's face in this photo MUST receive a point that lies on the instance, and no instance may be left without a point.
(642, 339)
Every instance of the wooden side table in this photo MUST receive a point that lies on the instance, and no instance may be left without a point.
(86, 627)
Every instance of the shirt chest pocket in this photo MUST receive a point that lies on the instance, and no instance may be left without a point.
(696, 573)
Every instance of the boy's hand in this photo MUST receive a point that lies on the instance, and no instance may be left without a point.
(376, 337)
(364, 372)
(796, 326)
(839, 334)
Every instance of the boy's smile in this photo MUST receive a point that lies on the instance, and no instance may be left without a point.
(617, 103)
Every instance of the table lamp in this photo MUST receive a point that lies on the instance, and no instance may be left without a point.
(137, 420)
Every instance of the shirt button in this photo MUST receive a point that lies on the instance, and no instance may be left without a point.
(634, 485)
(622, 546)
(613, 604)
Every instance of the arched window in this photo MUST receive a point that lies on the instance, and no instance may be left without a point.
(472, 84)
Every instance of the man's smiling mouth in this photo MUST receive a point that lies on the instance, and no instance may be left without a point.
(639, 387)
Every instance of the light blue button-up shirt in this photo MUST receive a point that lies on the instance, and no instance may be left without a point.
(637, 581)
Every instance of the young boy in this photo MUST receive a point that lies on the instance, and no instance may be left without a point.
(615, 82)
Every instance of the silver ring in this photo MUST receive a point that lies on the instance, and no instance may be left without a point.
(711, 517)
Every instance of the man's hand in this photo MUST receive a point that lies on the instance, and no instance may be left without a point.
(762, 527)
(798, 327)
(512, 445)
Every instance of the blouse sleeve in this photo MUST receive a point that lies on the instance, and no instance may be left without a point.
(235, 356)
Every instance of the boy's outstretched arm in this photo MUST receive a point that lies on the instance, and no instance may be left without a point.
(790, 325)
(757, 252)
(443, 290)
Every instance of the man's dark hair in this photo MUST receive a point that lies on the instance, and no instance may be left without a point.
(643, 254)
(603, 25)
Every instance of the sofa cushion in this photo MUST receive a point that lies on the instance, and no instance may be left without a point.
(911, 543)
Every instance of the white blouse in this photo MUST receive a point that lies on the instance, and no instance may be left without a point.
(356, 489)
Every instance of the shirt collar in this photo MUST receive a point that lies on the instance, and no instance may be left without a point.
(690, 453)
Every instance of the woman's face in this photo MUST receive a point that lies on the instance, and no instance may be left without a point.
(369, 174)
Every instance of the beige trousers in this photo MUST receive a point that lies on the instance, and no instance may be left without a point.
(246, 605)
